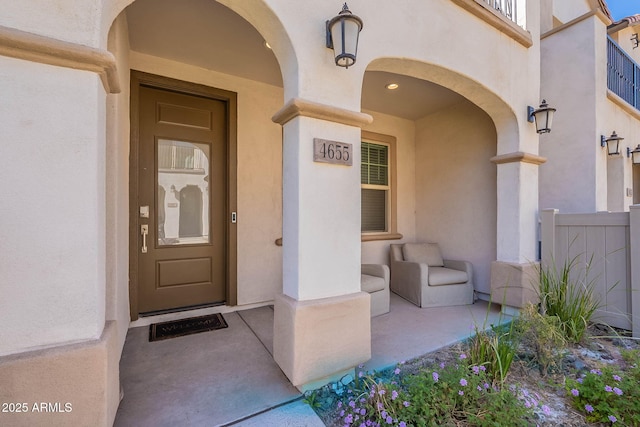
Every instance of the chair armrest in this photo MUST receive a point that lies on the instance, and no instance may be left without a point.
(377, 270)
(409, 272)
(408, 279)
(461, 266)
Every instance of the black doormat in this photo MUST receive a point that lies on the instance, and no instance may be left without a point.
(179, 328)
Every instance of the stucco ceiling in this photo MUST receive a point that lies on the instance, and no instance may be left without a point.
(413, 99)
(208, 35)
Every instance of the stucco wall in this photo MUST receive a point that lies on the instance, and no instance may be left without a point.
(456, 186)
(377, 252)
(52, 277)
(501, 78)
(636, 184)
(65, 287)
(569, 178)
(620, 168)
(259, 173)
(625, 120)
(546, 15)
(623, 38)
(117, 186)
(579, 175)
(566, 10)
(69, 20)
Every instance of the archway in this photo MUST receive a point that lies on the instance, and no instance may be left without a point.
(172, 40)
(446, 185)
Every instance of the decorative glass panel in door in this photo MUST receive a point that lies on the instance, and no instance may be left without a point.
(183, 193)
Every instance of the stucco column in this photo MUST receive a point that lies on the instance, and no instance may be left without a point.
(321, 323)
(513, 272)
(55, 345)
(616, 189)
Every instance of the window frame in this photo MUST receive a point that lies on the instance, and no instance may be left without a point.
(392, 200)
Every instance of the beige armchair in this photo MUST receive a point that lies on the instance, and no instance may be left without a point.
(421, 276)
(374, 279)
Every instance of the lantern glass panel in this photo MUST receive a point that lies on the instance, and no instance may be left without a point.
(549, 114)
(543, 121)
(351, 33)
(344, 34)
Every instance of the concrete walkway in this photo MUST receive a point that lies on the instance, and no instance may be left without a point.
(205, 379)
(228, 377)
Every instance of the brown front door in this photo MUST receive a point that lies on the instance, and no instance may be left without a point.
(181, 206)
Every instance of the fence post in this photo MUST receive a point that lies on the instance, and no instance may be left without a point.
(634, 239)
(548, 237)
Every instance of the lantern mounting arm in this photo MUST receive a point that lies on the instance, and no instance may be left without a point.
(530, 116)
(329, 39)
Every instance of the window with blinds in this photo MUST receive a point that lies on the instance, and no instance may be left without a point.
(374, 178)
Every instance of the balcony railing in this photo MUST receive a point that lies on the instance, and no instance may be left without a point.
(508, 8)
(173, 157)
(623, 74)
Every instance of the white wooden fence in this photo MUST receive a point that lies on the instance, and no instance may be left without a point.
(610, 244)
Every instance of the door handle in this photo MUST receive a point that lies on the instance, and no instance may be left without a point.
(144, 230)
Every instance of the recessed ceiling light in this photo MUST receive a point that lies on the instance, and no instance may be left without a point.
(392, 86)
(267, 44)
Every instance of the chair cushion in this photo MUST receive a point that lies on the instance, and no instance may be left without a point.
(445, 276)
(371, 283)
(424, 253)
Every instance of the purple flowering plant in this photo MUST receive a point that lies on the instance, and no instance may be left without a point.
(469, 391)
(447, 395)
(377, 399)
(607, 394)
(459, 394)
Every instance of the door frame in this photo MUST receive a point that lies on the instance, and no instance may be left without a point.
(138, 79)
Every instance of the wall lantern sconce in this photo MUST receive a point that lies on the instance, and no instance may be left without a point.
(612, 143)
(634, 154)
(342, 36)
(543, 117)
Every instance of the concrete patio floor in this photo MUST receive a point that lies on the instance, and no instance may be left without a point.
(228, 376)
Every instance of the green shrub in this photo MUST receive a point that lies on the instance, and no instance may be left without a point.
(569, 295)
(543, 335)
(457, 394)
(494, 349)
(461, 394)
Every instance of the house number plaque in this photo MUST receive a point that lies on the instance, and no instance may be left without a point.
(339, 153)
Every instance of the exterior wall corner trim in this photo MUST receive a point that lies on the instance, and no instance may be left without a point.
(519, 156)
(46, 50)
(560, 28)
(301, 107)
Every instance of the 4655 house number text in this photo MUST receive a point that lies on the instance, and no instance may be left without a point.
(325, 151)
